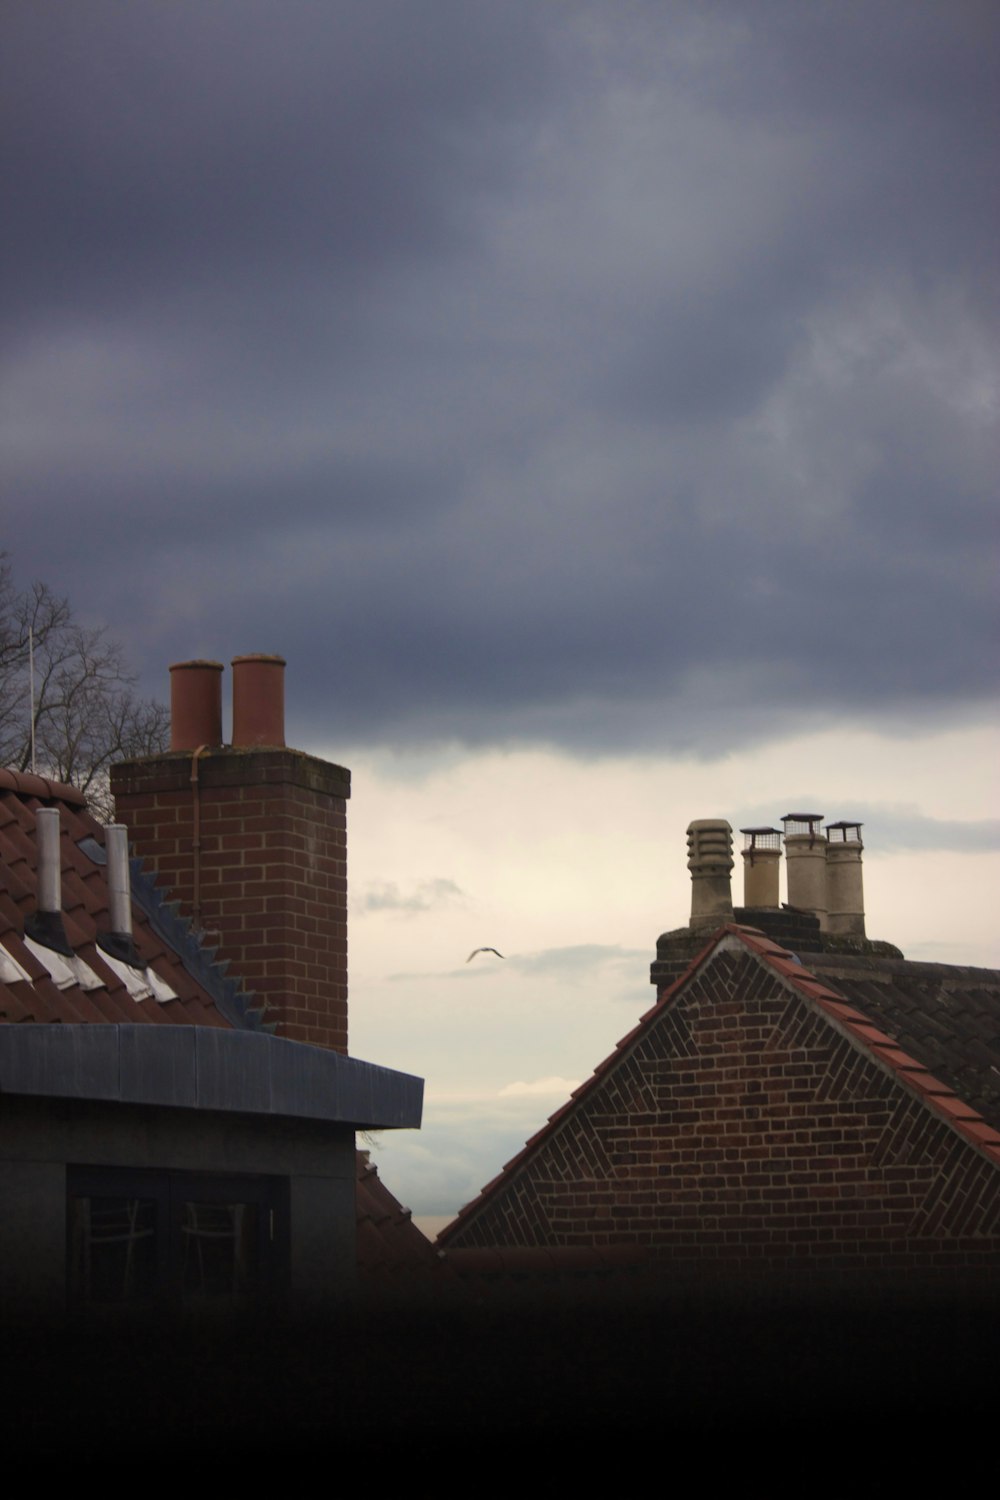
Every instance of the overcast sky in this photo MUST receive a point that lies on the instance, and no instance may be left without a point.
(596, 396)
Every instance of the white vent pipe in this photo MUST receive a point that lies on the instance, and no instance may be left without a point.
(49, 863)
(119, 879)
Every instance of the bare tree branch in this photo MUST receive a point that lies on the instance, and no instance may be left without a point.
(87, 714)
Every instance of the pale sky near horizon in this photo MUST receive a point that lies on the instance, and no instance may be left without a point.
(572, 869)
(596, 404)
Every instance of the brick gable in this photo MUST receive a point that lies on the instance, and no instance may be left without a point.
(746, 1127)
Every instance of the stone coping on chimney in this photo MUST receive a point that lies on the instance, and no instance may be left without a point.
(231, 766)
(206, 1068)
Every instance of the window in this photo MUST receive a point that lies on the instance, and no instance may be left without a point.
(143, 1238)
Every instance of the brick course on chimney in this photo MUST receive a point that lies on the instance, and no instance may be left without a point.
(267, 884)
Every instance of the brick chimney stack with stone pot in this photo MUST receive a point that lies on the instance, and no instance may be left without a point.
(251, 840)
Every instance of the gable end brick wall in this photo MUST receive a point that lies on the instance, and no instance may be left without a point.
(743, 1133)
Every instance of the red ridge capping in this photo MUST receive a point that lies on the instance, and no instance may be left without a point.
(937, 1096)
(27, 784)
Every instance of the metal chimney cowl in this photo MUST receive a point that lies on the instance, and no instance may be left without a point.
(710, 860)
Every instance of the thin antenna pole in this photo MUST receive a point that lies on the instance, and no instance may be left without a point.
(31, 690)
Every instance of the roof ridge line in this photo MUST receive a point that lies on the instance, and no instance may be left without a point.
(31, 784)
(534, 1141)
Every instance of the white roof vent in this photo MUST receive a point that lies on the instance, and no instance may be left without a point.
(64, 969)
(10, 969)
(141, 983)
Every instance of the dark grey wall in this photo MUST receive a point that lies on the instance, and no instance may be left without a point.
(39, 1137)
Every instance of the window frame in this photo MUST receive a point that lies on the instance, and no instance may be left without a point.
(171, 1192)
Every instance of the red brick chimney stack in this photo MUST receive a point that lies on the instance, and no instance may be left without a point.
(251, 839)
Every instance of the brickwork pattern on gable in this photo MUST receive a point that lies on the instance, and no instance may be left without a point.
(741, 1130)
(272, 872)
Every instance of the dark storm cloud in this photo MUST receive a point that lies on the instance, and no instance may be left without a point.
(599, 375)
(155, 146)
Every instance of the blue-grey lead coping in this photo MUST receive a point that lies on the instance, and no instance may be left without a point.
(203, 1067)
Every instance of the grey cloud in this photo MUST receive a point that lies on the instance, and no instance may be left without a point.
(569, 965)
(889, 829)
(427, 895)
(458, 1150)
(578, 961)
(522, 376)
(152, 142)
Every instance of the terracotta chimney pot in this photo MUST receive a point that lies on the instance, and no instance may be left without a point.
(258, 701)
(195, 704)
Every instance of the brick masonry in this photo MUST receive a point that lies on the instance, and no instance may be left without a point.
(739, 1130)
(271, 870)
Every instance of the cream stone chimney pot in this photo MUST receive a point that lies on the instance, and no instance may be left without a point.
(710, 860)
(805, 864)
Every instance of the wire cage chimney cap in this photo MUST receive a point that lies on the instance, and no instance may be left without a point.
(761, 838)
(846, 831)
(803, 822)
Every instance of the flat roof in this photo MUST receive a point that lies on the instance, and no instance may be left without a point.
(206, 1068)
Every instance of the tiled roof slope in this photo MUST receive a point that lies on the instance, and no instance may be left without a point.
(935, 1027)
(387, 1235)
(946, 1016)
(395, 1260)
(205, 997)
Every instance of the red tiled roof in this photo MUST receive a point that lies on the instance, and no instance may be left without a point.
(938, 1093)
(391, 1249)
(387, 1234)
(85, 918)
(394, 1258)
(934, 1092)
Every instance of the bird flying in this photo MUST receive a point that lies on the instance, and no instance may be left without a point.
(482, 950)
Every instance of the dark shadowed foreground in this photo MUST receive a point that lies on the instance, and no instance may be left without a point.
(428, 1381)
